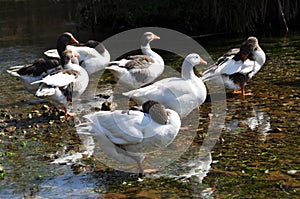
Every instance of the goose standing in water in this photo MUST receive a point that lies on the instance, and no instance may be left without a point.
(63, 86)
(182, 94)
(93, 55)
(128, 135)
(41, 67)
(238, 66)
(138, 70)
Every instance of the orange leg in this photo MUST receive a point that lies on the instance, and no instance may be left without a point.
(242, 92)
(69, 114)
(184, 128)
(142, 170)
(235, 92)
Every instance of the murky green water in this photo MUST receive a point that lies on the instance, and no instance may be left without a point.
(256, 155)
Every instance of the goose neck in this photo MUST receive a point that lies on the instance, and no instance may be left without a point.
(187, 71)
(149, 52)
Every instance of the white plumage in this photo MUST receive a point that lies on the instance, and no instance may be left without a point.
(238, 66)
(65, 85)
(139, 70)
(93, 55)
(59, 79)
(41, 67)
(127, 136)
(179, 94)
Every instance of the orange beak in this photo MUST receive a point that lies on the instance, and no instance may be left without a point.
(73, 40)
(244, 57)
(156, 37)
(202, 61)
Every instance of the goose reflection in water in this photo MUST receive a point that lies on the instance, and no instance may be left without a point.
(255, 119)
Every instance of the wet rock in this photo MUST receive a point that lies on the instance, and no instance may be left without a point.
(114, 195)
(104, 95)
(242, 124)
(2, 172)
(223, 172)
(228, 118)
(132, 190)
(276, 130)
(106, 106)
(148, 194)
(277, 176)
(2, 123)
(45, 108)
(78, 168)
(10, 129)
(237, 116)
(100, 167)
(51, 122)
(96, 109)
(50, 157)
(292, 172)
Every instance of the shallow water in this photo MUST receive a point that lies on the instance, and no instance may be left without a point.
(255, 156)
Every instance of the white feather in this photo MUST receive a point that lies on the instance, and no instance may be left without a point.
(229, 67)
(52, 53)
(59, 79)
(135, 131)
(179, 94)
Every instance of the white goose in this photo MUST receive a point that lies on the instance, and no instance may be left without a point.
(61, 87)
(138, 70)
(238, 66)
(128, 135)
(93, 55)
(40, 67)
(179, 94)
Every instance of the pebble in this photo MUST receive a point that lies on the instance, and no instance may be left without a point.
(292, 171)
(242, 124)
(45, 108)
(10, 129)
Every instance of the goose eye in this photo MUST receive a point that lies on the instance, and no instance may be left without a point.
(255, 48)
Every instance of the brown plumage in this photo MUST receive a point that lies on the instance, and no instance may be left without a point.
(156, 110)
(66, 71)
(64, 40)
(93, 44)
(39, 67)
(246, 48)
(139, 61)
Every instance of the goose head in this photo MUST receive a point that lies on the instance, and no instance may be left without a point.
(64, 40)
(156, 111)
(67, 55)
(147, 37)
(248, 47)
(257, 54)
(194, 59)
